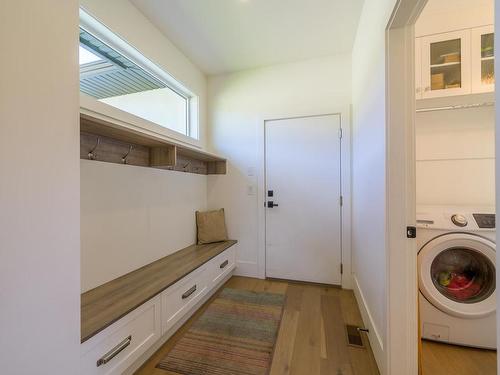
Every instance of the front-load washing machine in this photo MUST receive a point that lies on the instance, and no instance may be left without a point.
(456, 270)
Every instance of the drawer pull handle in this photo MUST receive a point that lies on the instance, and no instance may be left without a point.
(224, 264)
(114, 352)
(189, 292)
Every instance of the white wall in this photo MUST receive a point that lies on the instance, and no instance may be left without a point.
(239, 103)
(369, 170)
(39, 188)
(455, 150)
(132, 216)
(125, 20)
(455, 153)
(441, 16)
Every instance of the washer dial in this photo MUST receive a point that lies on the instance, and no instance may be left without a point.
(459, 220)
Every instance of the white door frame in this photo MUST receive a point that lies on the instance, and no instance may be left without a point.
(345, 124)
(401, 352)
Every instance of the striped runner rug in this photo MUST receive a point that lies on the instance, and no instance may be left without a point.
(235, 335)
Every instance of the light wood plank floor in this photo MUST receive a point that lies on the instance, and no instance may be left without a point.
(443, 359)
(311, 339)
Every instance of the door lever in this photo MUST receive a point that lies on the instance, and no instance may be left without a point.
(271, 204)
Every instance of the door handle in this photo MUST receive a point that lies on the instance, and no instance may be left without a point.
(271, 204)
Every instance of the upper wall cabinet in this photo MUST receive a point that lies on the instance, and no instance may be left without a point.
(483, 59)
(446, 64)
(455, 63)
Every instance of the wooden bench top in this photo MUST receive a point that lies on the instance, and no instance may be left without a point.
(104, 305)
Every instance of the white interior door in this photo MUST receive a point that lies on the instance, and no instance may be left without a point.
(303, 215)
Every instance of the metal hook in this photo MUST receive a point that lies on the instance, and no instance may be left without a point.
(124, 158)
(91, 154)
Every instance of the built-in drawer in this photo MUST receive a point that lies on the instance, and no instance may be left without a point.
(222, 265)
(181, 296)
(111, 351)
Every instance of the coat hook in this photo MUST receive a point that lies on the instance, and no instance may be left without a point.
(91, 154)
(124, 158)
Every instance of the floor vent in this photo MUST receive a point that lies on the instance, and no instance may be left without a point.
(354, 336)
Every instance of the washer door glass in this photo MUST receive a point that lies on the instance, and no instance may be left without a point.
(463, 275)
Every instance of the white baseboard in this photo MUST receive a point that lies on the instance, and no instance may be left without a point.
(149, 353)
(248, 269)
(375, 340)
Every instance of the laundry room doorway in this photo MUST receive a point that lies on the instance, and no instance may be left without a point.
(454, 135)
(440, 181)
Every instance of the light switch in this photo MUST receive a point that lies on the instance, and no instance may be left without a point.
(251, 190)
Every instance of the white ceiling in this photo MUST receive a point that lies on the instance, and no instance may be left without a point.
(222, 36)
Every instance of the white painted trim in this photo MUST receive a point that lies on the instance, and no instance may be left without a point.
(376, 341)
(246, 268)
(401, 346)
(346, 170)
(497, 171)
(96, 109)
(345, 118)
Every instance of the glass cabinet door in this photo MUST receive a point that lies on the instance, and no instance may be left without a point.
(483, 59)
(445, 63)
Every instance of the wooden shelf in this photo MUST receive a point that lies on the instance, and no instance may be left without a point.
(109, 142)
(446, 65)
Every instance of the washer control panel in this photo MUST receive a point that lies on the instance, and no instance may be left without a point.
(485, 221)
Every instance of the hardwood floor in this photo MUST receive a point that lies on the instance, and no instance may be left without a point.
(446, 359)
(312, 337)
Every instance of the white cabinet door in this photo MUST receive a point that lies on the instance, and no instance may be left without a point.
(446, 67)
(220, 266)
(303, 205)
(418, 68)
(180, 297)
(116, 348)
(483, 59)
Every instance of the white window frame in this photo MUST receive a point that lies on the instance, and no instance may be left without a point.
(95, 108)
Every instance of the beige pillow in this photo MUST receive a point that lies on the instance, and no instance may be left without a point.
(211, 226)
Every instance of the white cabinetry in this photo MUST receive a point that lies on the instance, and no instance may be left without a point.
(126, 342)
(455, 63)
(221, 266)
(446, 64)
(418, 68)
(181, 296)
(483, 59)
(178, 299)
(113, 350)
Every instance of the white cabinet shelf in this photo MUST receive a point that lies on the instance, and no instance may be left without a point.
(455, 63)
